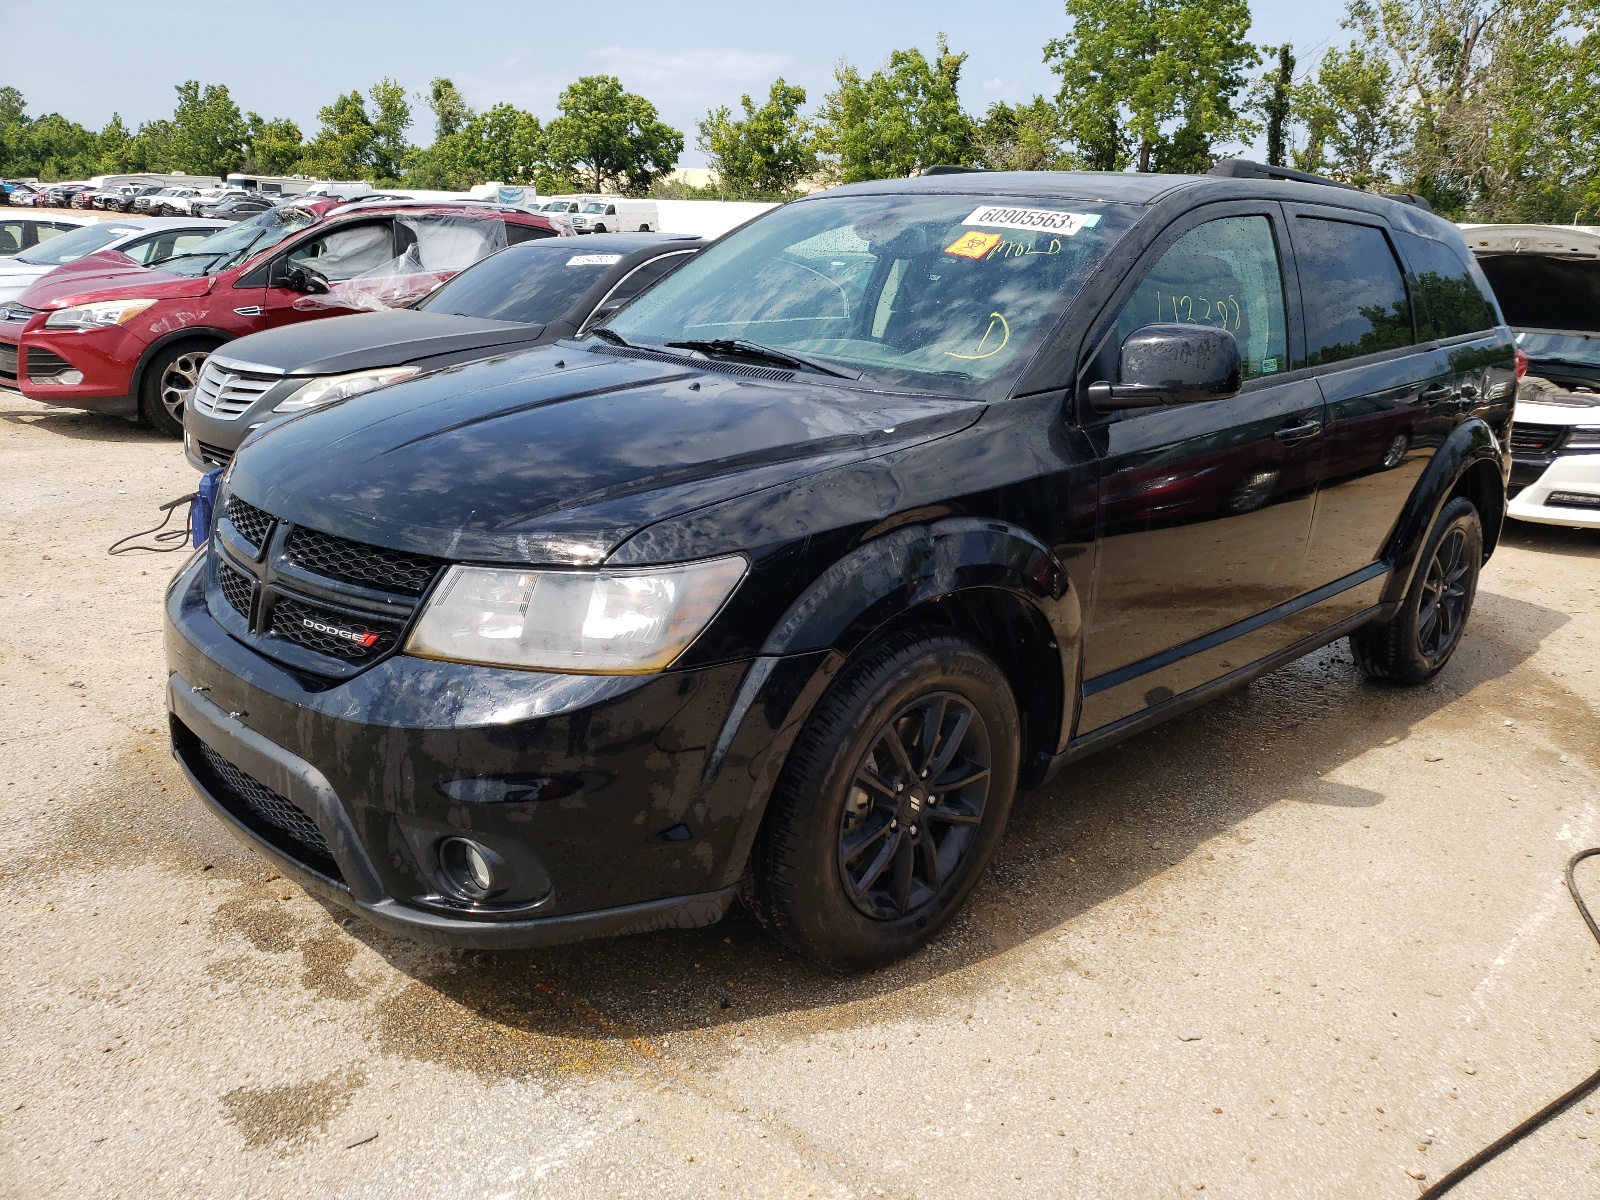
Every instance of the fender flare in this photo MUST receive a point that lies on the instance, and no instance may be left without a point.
(1469, 444)
(136, 382)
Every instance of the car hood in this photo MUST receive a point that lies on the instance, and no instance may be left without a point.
(375, 339)
(109, 275)
(558, 455)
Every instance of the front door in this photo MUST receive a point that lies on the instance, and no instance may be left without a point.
(1204, 509)
(357, 264)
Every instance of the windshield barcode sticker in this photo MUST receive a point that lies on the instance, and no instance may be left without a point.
(594, 260)
(997, 216)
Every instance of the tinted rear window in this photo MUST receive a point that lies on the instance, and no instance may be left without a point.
(1541, 291)
(1355, 297)
(1449, 302)
(534, 283)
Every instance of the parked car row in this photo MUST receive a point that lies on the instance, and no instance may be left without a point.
(115, 334)
(92, 247)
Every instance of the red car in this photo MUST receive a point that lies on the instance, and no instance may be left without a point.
(111, 336)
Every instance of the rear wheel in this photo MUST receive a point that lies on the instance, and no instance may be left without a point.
(169, 383)
(1414, 645)
(892, 802)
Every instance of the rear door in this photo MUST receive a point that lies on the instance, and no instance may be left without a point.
(1205, 509)
(1387, 405)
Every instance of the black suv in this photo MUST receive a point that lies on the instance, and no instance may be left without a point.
(783, 580)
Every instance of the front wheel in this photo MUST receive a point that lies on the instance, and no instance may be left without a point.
(169, 383)
(1414, 645)
(892, 802)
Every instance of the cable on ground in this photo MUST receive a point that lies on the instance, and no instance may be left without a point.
(167, 540)
(1557, 1106)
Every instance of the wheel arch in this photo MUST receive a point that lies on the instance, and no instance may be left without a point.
(199, 334)
(990, 581)
(1470, 463)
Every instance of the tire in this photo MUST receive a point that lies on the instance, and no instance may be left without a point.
(168, 383)
(1414, 645)
(644, 229)
(855, 876)
(599, 228)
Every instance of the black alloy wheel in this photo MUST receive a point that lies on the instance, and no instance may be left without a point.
(891, 802)
(1414, 645)
(915, 803)
(1443, 610)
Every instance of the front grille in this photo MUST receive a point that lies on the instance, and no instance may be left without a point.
(355, 562)
(267, 806)
(8, 361)
(227, 393)
(237, 589)
(250, 521)
(16, 312)
(331, 633)
(213, 456)
(43, 365)
(1535, 439)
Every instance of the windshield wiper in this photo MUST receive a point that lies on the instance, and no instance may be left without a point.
(616, 339)
(742, 348)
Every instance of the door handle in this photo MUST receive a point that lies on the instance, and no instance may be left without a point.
(1299, 432)
(1436, 393)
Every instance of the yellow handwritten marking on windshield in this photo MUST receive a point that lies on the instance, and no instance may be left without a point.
(1213, 312)
(1024, 249)
(1005, 330)
(974, 245)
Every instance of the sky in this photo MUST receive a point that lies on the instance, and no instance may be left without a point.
(87, 59)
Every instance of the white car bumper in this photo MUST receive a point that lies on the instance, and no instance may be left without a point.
(1568, 493)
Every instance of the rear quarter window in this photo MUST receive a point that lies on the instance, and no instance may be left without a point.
(1450, 300)
(1354, 294)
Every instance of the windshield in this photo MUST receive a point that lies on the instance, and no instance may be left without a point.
(231, 246)
(72, 246)
(1549, 347)
(593, 208)
(534, 283)
(936, 292)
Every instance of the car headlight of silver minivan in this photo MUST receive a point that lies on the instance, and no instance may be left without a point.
(328, 388)
(629, 621)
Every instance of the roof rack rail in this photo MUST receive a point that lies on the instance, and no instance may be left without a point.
(945, 169)
(1244, 168)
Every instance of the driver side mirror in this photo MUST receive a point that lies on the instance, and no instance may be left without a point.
(304, 280)
(1172, 364)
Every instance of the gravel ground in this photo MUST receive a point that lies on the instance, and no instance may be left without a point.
(1308, 940)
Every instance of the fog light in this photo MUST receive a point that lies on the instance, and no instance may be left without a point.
(471, 869)
(68, 379)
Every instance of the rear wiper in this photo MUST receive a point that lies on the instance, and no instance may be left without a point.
(741, 348)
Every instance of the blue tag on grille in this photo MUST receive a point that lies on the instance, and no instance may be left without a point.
(204, 502)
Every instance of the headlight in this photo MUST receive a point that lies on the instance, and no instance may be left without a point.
(96, 316)
(607, 622)
(341, 387)
(1584, 437)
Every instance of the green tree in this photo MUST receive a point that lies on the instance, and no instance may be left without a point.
(117, 149)
(610, 138)
(450, 111)
(768, 152)
(1149, 79)
(1349, 110)
(504, 144)
(209, 133)
(391, 118)
(1277, 104)
(1024, 137)
(273, 147)
(152, 146)
(901, 118)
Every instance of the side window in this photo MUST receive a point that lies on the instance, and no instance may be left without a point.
(611, 210)
(516, 233)
(146, 250)
(1224, 273)
(46, 232)
(185, 240)
(1355, 297)
(11, 234)
(1449, 302)
(346, 253)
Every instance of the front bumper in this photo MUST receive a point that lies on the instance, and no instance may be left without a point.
(105, 360)
(1564, 492)
(626, 803)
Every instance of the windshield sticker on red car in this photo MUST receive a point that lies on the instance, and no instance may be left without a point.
(594, 260)
(997, 216)
(974, 245)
